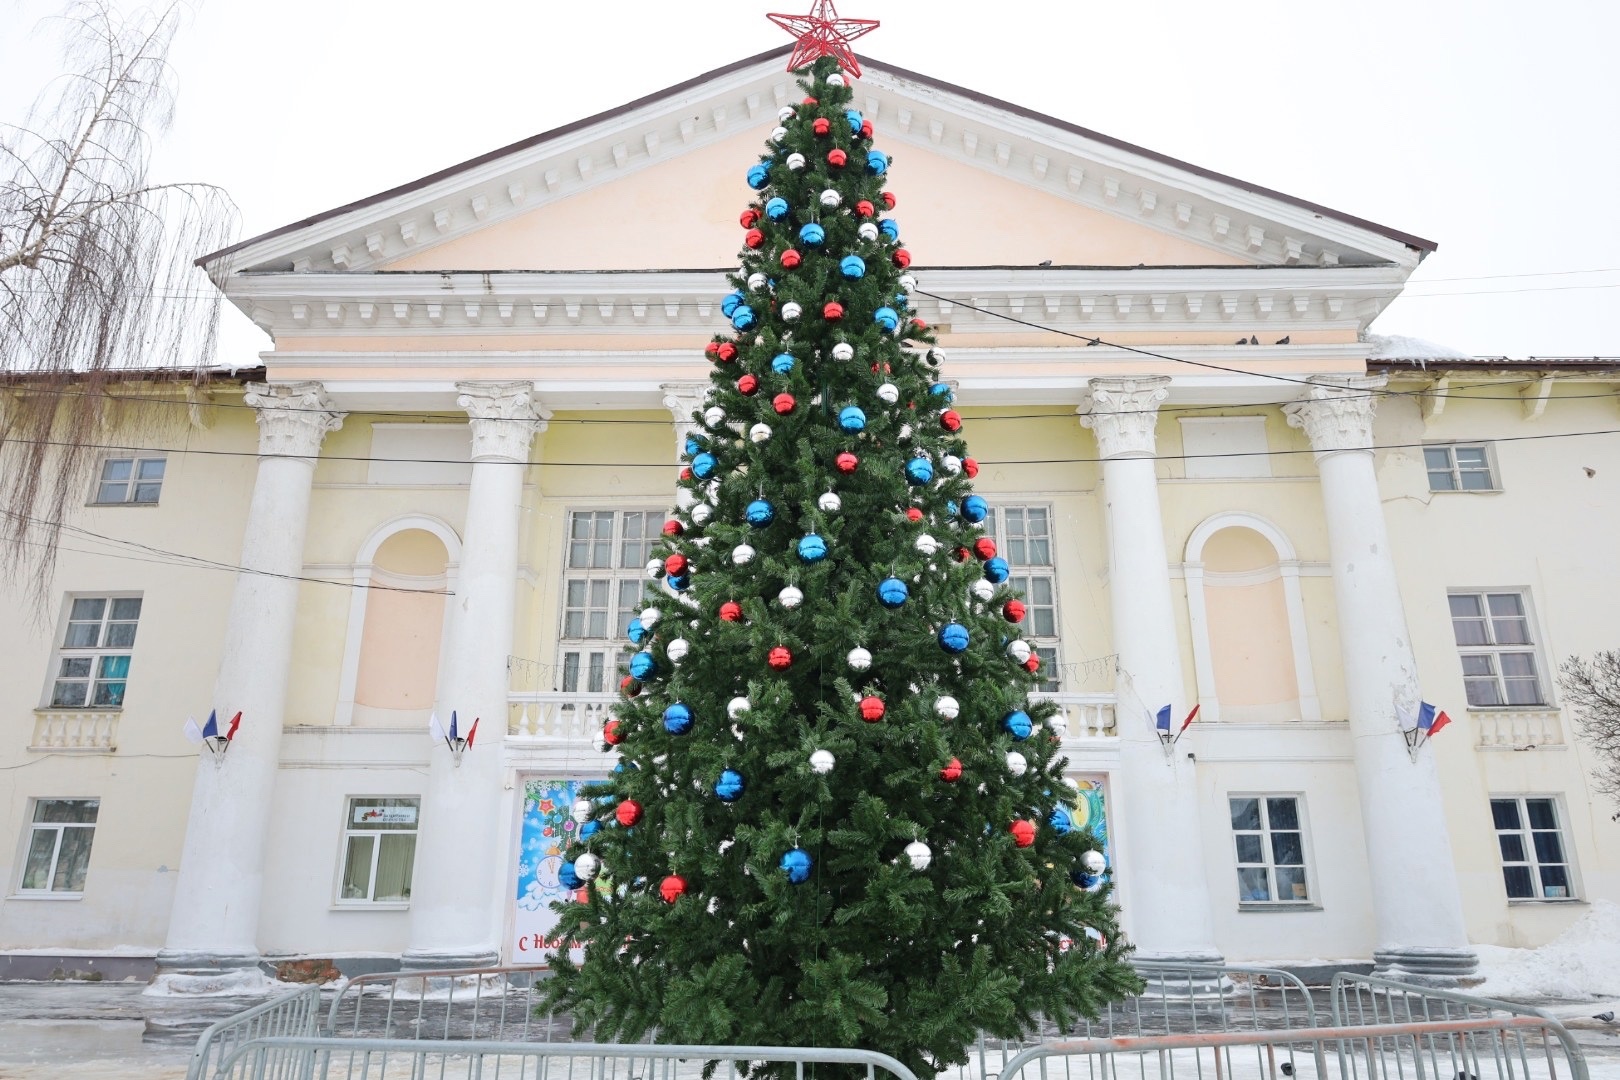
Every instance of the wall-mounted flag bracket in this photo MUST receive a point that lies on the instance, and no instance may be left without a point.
(1420, 726)
(453, 740)
(208, 735)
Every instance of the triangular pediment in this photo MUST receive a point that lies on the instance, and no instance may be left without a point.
(657, 184)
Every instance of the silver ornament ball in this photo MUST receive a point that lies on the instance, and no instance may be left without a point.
(790, 597)
(947, 707)
(1093, 862)
(982, 589)
(1016, 763)
(919, 855)
(677, 650)
(822, 761)
(581, 811)
(759, 433)
(859, 659)
(829, 502)
(587, 866)
(888, 393)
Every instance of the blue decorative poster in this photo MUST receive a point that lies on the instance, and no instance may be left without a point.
(1090, 811)
(547, 828)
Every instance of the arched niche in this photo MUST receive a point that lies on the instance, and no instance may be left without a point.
(1251, 654)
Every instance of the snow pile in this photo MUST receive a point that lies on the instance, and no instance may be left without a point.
(1582, 962)
(245, 982)
(1401, 347)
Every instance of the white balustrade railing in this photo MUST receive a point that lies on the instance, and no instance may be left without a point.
(1519, 730)
(84, 732)
(555, 715)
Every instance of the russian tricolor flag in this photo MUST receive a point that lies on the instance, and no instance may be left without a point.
(1163, 722)
(1430, 720)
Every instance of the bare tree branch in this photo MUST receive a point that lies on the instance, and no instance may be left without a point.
(1592, 688)
(96, 274)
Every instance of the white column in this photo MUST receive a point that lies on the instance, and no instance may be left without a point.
(215, 919)
(682, 399)
(1416, 902)
(459, 887)
(1165, 896)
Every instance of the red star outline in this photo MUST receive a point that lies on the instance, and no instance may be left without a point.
(823, 33)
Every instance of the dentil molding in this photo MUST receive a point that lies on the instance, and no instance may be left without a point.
(293, 418)
(1123, 414)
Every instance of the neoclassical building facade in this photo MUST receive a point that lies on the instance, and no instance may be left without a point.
(437, 493)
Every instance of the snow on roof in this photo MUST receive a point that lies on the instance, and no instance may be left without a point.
(1401, 347)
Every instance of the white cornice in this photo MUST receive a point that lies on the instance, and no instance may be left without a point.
(1216, 214)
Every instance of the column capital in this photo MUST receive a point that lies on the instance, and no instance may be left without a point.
(682, 399)
(505, 417)
(293, 417)
(1336, 413)
(1123, 414)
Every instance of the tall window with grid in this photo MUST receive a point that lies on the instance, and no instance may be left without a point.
(1535, 862)
(1023, 536)
(1493, 635)
(92, 664)
(603, 576)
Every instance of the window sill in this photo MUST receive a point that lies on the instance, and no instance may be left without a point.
(1303, 905)
(44, 895)
(1467, 491)
(99, 710)
(1553, 709)
(1538, 901)
(119, 505)
(370, 905)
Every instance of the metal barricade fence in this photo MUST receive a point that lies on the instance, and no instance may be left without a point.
(293, 1014)
(1368, 999)
(408, 1059)
(493, 1004)
(1501, 1048)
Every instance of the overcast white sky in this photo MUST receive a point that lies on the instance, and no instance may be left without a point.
(1487, 125)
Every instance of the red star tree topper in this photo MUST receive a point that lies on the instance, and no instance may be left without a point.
(823, 33)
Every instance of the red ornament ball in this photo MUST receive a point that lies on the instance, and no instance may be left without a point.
(779, 658)
(970, 466)
(871, 709)
(846, 462)
(837, 158)
(791, 258)
(1033, 664)
(725, 352)
(610, 733)
(950, 420)
(952, 772)
(811, 101)
(672, 888)
(902, 258)
(747, 385)
(984, 547)
(731, 611)
(913, 514)
(920, 324)
(833, 311)
(822, 125)
(675, 564)
(783, 404)
(629, 687)
(963, 554)
(1013, 611)
(864, 208)
(673, 528)
(712, 349)
(867, 129)
(754, 238)
(628, 812)
(686, 473)
(889, 200)
(1023, 833)
(750, 218)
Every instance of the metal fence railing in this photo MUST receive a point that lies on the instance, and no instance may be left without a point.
(293, 1014)
(1500, 1048)
(493, 1004)
(1368, 999)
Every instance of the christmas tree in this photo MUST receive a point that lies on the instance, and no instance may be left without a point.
(838, 818)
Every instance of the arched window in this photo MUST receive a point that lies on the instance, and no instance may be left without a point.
(1250, 650)
(390, 670)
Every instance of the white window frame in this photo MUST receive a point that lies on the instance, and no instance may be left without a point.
(1047, 646)
(1457, 472)
(96, 655)
(1531, 861)
(131, 483)
(1268, 862)
(1495, 650)
(350, 830)
(31, 827)
(604, 653)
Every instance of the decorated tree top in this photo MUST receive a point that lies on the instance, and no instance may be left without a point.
(838, 817)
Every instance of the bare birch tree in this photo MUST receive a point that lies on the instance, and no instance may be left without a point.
(96, 274)
(1592, 688)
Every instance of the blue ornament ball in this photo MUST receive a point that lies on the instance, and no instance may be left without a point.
(890, 228)
(995, 570)
(943, 390)
(877, 162)
(1081, 878)
(760, 513)
(892, 592)
(852, 267)
(1018, 724)
(758, 177)
(569, 878)
(1062, 823)
(642, 665)
(953, 638)
(855, 121)
(638, 632)
(731, 303)
(730, 785)
(812, 548)
(677, 719)
(743, 318)
(851, 419)
(678, 582)
(693, 446)
(776, 209)
(951, 507)
(797, 864)
(919, 470)
(589, 829)
(812, 234)
(975, 509)
(782, 363)
(886, 317)
(703, 466)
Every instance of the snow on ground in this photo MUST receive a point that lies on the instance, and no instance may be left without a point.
(1582, 963)
(1401, 347)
